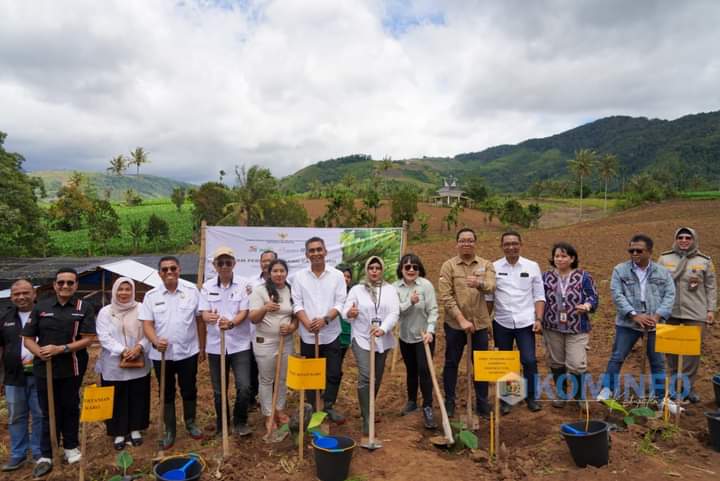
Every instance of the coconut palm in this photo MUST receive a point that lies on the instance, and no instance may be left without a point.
(582, 166)
(137, 158)
(608, 169)
(118, 165)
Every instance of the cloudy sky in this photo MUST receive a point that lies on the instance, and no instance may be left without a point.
(206, 85)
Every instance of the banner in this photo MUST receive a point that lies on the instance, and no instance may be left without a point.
(349, 246)
(305, 373)
(97, 403)
(491, 366)
(683, 340)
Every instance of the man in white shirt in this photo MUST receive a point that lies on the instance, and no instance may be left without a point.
(169, 314)
(519, 303)
(224, 306)
(318, 296)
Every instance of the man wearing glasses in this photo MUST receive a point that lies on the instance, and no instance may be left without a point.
(643, 293)
(696, 295)
(464, 281)
(60, 327)
(169, 314)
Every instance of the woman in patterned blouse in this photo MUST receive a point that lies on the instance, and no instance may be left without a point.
(570, 296)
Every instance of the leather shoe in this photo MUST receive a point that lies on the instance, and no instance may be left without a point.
(482, 409)
(533, 405)
(13, 464)
(693, 397)
(428, 418)
(42, 468)
(450, 407)
(119, 443)
(410, 406)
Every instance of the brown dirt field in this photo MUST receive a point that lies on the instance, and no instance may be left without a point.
(534, 450)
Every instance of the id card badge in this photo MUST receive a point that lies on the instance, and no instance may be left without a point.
(563, 317)
(375, 322)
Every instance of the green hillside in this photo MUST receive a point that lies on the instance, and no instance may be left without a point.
(689, 147)
(147, 186)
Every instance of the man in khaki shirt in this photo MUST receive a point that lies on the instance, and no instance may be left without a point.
(464, 281)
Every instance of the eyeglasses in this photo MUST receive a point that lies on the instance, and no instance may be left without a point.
(225, 263)
(411, 267)
(636, 251)
(684, 237)
(168, 269)
(374, 268)
(65, 283)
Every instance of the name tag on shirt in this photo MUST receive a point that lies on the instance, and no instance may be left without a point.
(78, 314)
(47, 314)
(524, 274)
(502, 273)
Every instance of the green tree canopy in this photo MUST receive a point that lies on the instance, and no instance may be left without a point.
(404, 205)
(209, 202)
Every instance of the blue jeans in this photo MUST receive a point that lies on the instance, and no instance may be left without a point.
(525, 339)
(23, 400)
(625, 339)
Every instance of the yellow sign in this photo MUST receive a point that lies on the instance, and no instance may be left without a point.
(305, 373)
(492, 365)
(683, 340)
(97, 403)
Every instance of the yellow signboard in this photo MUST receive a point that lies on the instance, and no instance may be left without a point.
(97, 403)
(683, 340)
(490, 366)
(305, 373)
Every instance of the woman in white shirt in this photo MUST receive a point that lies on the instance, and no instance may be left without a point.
(123, 344)
(271, 313)
(372, 307)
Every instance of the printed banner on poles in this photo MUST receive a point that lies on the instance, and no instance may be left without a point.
(349, 246)
(491, 366)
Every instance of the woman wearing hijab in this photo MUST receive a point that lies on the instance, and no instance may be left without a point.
(418, 316)
(123, 363)
(695, 296)
(372, 308)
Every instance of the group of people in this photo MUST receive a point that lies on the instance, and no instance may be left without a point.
(178, 325)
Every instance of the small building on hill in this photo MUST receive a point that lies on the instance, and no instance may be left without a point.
(450, 193)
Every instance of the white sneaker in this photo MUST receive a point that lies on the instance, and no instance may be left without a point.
(673, 407)
(604, 394)
(73, 455)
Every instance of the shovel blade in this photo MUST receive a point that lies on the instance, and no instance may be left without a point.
(370, 445)
(471, 421)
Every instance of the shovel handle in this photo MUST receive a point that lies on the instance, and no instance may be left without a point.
(162, 402)
(469, 374)
(51, 412)
(223, 397)
(447, 431)
(276, 383)
(317, 355)
(371, 421)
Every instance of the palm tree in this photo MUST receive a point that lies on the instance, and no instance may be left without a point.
(137, 158)
(118, 165)
(582, 166)
(608, 169)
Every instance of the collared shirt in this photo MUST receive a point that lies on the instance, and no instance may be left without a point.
(316, 295)
(420, 317)
(387, 310)
(174, 315)
(518, 287)
(25, 355)
(267, 331)
(642, 275)
(227, 301)
(114, 341)
(453, 292)
(15, 356)
(54, 323)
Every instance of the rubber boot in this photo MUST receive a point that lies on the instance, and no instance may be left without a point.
(580, 393)
(189, 411)
(559, 401)
(170, 429)
(364, 399)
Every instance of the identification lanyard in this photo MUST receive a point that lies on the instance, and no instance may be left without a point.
(563, 285)
(376, 304)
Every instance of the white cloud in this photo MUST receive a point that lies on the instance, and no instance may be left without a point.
(203, 86)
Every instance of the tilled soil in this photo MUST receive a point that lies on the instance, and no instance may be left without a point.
(533, 448)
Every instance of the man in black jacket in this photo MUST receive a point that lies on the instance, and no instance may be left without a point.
(20, 391)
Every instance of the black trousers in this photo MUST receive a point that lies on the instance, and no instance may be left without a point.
(455, 340)
(66, 394)
(333, 370)
(131, 406)
(185, 372)
(417, 370)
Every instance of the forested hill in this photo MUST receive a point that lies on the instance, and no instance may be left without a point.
(147, 186)
(689, 147)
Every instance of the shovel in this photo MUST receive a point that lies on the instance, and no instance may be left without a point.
(469, 419)
(371, 443)
(51, 412)
(178, 474)
(325, 426)
(161, 452)
(447, 439)
(279, 434)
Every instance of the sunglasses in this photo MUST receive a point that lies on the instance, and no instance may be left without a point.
(411, 267)
(168, 269)
(684, 237)
(65, 283)
(225, 263)
(636, 251)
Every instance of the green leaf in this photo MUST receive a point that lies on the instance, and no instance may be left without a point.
(117, 477)
(468, 439)
(615, 406)
(457, 425)
(124, 460)
(316, 420)
(643, 411)
(629, 420)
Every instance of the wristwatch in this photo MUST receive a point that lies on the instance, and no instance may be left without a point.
(66, 349)
(327, 320)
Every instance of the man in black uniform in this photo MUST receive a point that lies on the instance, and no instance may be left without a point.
(64, 326)
(20, 390)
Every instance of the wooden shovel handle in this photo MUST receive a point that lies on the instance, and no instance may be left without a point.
(469, 374)
(162, 402)
(276, 383)
(371, 421)
(438, 395)
(51, 412)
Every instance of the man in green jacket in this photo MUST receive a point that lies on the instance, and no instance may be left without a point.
(696, 294)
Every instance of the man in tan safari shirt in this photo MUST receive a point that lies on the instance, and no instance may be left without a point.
(464, 281)
(695, 296)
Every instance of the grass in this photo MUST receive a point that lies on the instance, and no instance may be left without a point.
(77, 243)
(548, 204)
(701, 195)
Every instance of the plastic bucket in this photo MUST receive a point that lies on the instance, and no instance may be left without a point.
(588, 447)
(193, 471)
(713, 420)
(334, 464)
(716, 386)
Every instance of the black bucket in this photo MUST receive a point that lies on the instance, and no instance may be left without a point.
(716, 386)
(588, 447)
(713, 420)
(192, 474)
(334, 464)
